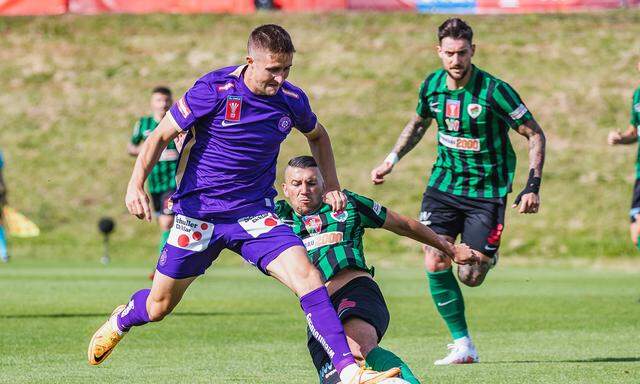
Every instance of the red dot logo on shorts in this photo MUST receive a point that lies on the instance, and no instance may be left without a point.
(270, 222)
(197, 236)
(204, 226)
(183, 240)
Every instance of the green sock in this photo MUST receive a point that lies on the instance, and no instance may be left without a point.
(448, 299)
(163, 240)
(380, 359)
(638, 242)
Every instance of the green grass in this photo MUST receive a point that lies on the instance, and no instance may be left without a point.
(73, 87)
(531, 325)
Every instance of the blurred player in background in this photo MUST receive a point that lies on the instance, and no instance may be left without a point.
(334, 242)
(162, 179)
(4, 253)
(473, 173)
(630, 136)
(236, 117)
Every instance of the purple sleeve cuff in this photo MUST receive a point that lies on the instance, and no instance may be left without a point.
(182, 114)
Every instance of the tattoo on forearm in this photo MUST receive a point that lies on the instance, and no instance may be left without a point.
(537, 145)
(411, 135)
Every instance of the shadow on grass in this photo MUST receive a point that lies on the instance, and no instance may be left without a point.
(593, 360)
(177, 314)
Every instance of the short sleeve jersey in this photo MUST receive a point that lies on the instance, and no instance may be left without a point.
(475, 156)
(635, 121)
(334, 239)
(163, 175)
(228, 160)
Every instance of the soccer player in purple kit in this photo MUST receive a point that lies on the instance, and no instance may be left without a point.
(236, 118)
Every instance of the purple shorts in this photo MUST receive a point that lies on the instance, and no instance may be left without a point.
(194, 244)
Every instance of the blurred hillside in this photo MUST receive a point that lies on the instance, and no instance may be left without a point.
(73, 86)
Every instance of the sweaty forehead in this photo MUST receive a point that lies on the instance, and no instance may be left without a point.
(454, 45)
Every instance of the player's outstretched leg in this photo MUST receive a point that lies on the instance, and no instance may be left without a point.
(447, 297)
(146, 305)
(292, 268)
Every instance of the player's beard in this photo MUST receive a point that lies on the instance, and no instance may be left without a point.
(462, 76)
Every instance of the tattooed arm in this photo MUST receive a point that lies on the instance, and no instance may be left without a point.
(529, 199)
(410, 136)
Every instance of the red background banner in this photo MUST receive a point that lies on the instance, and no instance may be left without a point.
(32, 7)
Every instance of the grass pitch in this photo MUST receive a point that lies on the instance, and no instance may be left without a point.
(531, 325)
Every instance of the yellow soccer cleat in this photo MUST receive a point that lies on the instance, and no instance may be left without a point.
(104, 340)
(367, 376)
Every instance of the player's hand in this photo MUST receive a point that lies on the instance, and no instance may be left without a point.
(614, 137)
(336, 199)
(137, 202)
(462, 254)
(527, 203)
(379, 172)
(179, 141)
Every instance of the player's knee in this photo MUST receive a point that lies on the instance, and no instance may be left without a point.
(435, 261)
(472, 275)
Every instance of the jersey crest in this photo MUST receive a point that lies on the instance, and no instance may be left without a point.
(233, 108)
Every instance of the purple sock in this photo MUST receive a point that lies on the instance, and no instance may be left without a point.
(326, 327)
(135, 313)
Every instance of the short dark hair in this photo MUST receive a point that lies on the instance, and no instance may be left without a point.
(271, 37)
(302, 162)
(455, 28)
(161, 89)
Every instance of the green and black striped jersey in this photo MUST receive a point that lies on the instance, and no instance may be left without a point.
(635, 121)
(475, 156)
(163, 176)
(334, 239)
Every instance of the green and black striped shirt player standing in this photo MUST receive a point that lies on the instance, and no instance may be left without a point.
(630, 136)
(162, 179)
(473, 173)
(334, 244)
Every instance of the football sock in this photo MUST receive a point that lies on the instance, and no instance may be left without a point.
(3, 245)
(448, 299)
(163, 241)
(135, 314)
(326, 328)
(380, 359)
(638, 242)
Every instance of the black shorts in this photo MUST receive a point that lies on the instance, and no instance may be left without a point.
(480, 222)
(161, 202)
(361, 298)
(635, 202)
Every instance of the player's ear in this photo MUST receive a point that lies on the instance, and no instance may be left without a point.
(473, 49)
(249, 60)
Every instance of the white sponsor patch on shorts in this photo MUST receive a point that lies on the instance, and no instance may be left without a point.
(322, 239)
(460, 143)
(257, 225)
(191, 234)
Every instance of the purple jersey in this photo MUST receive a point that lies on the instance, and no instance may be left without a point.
(228, 161)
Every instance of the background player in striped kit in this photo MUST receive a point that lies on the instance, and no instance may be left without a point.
(630, 136)
(334, 243)
(466, 193)
(162, 179)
